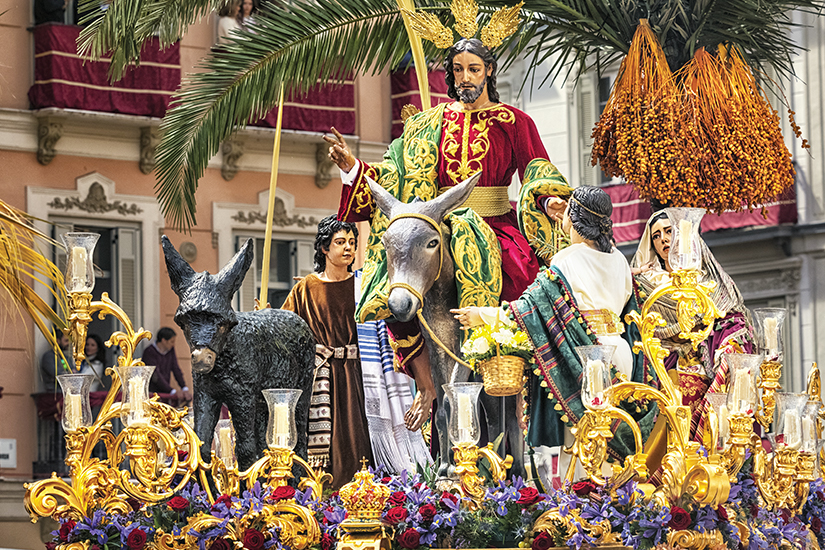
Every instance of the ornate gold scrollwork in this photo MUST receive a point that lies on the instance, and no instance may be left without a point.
(466, 460)
(694, 540)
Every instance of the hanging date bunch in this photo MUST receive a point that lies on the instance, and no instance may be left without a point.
(704, 137)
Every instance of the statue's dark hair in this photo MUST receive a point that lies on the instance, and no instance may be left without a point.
(660, 215)
(327, 229)
(166, 333)
(475, 47)
(589, 210)
(101, 349)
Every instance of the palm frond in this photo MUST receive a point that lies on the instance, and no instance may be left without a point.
(21, 263)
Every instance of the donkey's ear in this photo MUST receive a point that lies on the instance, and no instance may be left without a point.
(383, 200)
(455, 197)
(180, 272)
(230, 278)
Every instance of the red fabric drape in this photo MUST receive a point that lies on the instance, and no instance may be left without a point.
(630, 213)
(404, 90)
(318, 109)
(63, 79)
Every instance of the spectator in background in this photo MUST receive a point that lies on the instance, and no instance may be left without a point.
(95, 363)
(51, 364)
(229, 19)
(248, 9)
(49, 11)
(161, 354)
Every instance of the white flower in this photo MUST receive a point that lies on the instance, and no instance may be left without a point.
(504, 337)
(481, 346)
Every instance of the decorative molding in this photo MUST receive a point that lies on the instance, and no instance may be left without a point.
(188, 251)
(215, 237)
(232, 150)
(323, 174)
(776, 283)
(49, 131)
(148, 143)
(280, 217)
(95, 203)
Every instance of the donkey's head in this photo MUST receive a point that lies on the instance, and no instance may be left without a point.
(417, 251)
(205, 313)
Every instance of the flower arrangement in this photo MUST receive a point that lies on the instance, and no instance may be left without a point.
(488, 341)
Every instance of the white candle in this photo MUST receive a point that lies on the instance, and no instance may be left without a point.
(465, 417)
(74, 411)
(724, 423)
(793, 430)
(79, 265)
(280, 412)
(225, 441)
(808, 430)
(136, 400)
(771, 338)
(685, 230)
(595, 380)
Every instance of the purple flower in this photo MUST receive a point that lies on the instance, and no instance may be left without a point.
(706, 519)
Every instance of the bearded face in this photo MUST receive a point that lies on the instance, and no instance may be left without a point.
(468, 92)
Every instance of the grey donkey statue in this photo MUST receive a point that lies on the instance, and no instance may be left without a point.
(418, 257)
(236, 355)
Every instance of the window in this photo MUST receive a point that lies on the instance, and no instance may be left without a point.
(289, 258)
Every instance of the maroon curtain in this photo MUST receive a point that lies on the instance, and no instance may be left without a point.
(630, 213)
(63, 79)
(404, 90)
(318, 109)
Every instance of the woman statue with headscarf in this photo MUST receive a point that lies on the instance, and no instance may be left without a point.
(580, 300)
(703, 370)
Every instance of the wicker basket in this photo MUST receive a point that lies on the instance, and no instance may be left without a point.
(503, 375)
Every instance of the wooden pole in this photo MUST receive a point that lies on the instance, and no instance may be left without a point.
(418, 56)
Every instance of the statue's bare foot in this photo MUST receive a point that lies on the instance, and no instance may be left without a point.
(419, 410)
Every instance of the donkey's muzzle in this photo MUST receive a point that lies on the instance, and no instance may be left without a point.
(403, 304)
(203, 360)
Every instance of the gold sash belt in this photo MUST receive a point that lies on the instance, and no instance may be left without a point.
(603, 321)
(486, 201)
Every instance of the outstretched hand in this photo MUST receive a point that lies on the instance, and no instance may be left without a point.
(339, 152)
(469, 317)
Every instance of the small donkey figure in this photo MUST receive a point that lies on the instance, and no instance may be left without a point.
(236, 355)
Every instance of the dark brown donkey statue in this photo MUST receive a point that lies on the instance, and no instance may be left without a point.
(416, 254)
(236, 355)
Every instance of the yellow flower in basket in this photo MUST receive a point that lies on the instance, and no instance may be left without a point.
(500, 353)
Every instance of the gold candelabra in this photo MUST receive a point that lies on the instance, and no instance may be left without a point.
(466, 467)
(151, 429)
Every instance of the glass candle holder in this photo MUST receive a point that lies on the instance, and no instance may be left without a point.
(225, 441)
(80, 271)
(809, 415)
(789, 409)
(463, 426)
(596, 377)
(280, 429)
(742, 371)
(719, 402)
(770, 322)
(77, 412)
(685, 243)
(134, 381)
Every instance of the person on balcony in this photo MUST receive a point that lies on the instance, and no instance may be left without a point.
(51, 364)
(228, 20)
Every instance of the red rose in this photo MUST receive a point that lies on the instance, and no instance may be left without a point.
(584, 488)
(754, 509)
(283, 493)
(397, 498)
(226, 500)
(51, 545)
(543, 541)
(327, 542)
(386, 479)
(679, 519)
(785, 515)
(816, 525)
(409, 539)
(445, 496)
(528, 496)
(134, 503)
(253, 539)
(136, 540)
(427, 512)
(220, 544)
(396, 515)
(95, 547)
(182, 455)
(65, 530)
(178, 503)
(723, 514)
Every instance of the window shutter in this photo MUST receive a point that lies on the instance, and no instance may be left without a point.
(247, 292)
(128, 279)
(587, 119)
(306, 258)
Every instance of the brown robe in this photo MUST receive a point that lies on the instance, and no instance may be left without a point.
(329, 310)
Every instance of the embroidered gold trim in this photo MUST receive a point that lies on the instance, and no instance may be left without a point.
(486, 201)
(603, 321)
